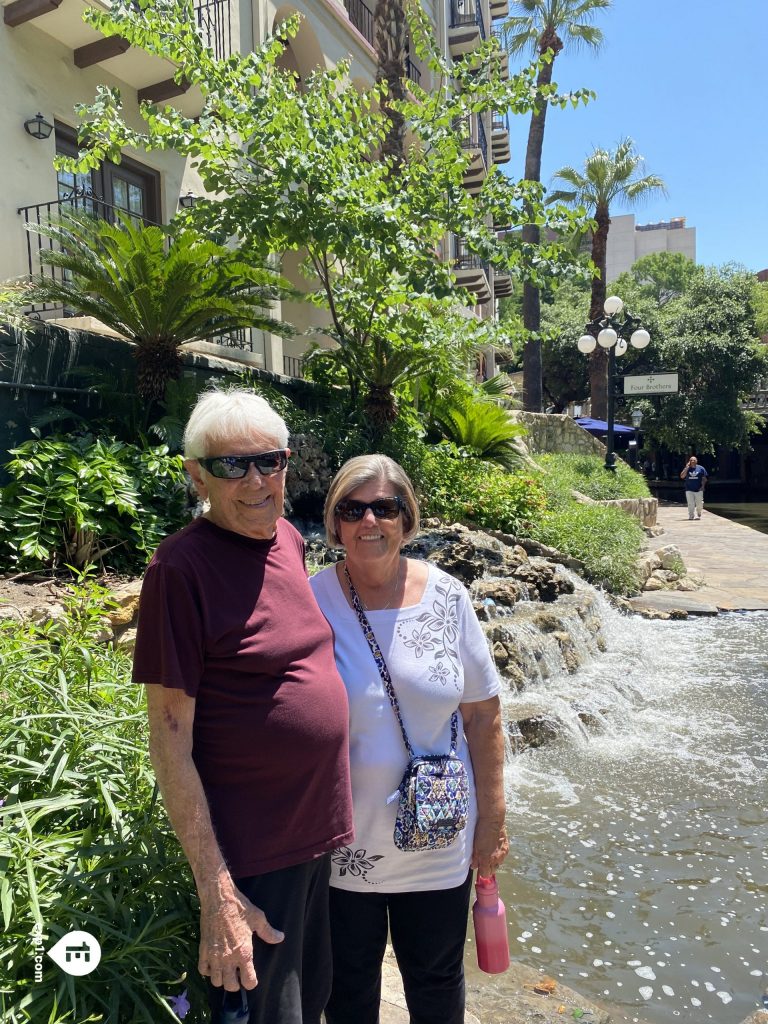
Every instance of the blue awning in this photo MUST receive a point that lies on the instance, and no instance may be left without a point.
(601, 427)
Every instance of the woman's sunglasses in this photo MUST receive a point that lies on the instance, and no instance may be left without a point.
(383, 508)
(235, 467)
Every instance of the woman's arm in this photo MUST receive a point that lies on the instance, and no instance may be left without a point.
(485, 739)
(227, 919)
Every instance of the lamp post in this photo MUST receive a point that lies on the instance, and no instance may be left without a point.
(613, 334)
(637, 418)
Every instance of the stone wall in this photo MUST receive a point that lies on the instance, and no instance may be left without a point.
(553, 432)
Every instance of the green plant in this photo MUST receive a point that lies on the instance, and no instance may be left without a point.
(565, 472)
(73, 501)
(161, 287)
(84, 843)
(458, 487)
(484, 428)
(603, 537)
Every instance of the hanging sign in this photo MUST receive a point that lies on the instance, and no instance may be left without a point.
(651, 384)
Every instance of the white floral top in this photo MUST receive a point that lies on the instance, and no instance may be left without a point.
(438, 658)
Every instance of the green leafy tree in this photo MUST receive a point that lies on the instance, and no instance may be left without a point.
(709, 335)
(660, 276)
(303, 171)
(160, 287)
(544, 28)
(609, 178)
(760, 303)
(481, 428)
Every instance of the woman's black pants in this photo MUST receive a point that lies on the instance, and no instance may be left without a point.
(428, 932)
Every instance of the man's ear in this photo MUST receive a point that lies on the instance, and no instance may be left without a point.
(194, 469)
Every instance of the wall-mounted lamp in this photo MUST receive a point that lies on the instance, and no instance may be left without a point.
(38, 127)
(188, 201)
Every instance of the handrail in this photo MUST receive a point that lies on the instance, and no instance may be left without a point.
(361, 17)
(214, 20)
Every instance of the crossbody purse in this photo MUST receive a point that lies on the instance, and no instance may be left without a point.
(433, 795)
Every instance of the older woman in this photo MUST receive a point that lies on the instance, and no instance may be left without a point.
(439, 663)
(248, 718)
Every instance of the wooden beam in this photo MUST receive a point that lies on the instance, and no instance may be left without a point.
(101, 49)
(19, 11)
(162, 91)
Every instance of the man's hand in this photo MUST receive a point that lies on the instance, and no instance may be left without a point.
(226, 941)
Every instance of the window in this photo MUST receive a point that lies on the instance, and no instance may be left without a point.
(130, 186)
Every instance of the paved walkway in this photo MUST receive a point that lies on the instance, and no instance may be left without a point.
(731, 559)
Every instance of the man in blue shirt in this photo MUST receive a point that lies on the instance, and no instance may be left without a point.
(695, 477)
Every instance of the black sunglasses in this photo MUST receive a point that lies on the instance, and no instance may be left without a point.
(235, 467)
(383, 508)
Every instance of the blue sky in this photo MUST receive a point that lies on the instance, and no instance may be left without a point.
(688, 81)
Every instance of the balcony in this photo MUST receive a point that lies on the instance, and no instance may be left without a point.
(473, 138)
(245, 340)
(151, 76)
(470, 271)
(502, 284)
(500, 148)
(499, 8)
(466, 27)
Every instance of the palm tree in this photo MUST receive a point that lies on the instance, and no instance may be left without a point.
(537, 27)
(160, 287)
(608, 178)
(390, 29)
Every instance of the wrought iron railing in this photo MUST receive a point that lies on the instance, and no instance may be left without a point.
(41, 214)
(83, 199)
(214, 20)
(500, 122)
(412, 71)
(361, 17)
(473, 136)
(467, 12)
(463, 259)
(482, 139)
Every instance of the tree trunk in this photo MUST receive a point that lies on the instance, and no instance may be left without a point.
(390, 28)
(157, 364)
(598, 362)
(532, 390)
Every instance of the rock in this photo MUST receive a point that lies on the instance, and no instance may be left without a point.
(45, 613)
(537, 731)
(126, 641)
(686, 585)
(654, 583)
(8, 611)
(126, 597)
(671, 558)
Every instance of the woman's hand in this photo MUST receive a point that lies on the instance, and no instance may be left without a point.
(490, 847)
(485, 739)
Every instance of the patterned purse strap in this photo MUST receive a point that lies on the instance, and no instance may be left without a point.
(381, 664)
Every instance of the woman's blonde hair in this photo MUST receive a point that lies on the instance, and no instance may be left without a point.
(363, 470)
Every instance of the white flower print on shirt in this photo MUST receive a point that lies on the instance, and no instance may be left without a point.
(438, 632)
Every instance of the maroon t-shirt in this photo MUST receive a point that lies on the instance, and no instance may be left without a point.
(232, 621)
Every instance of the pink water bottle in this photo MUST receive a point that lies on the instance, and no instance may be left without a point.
(490, 919)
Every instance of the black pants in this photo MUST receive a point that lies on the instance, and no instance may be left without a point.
(295, 975)
(428, 933)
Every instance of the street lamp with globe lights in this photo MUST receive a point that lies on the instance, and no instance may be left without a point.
(614, 335)
(637, 418)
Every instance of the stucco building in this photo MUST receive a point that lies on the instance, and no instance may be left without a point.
(50, 60)
(628, 241)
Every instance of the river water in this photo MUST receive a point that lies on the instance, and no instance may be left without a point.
(639, 873)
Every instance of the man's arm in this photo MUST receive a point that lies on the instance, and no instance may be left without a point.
(485, 738)
(684, 471)
(227, 918)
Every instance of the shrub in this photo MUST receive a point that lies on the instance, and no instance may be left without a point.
(84, 843)
(604, 538)
(587, 473)
(455, 486)
(73, 501)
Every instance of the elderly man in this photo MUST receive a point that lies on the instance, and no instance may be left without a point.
(248, 718)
